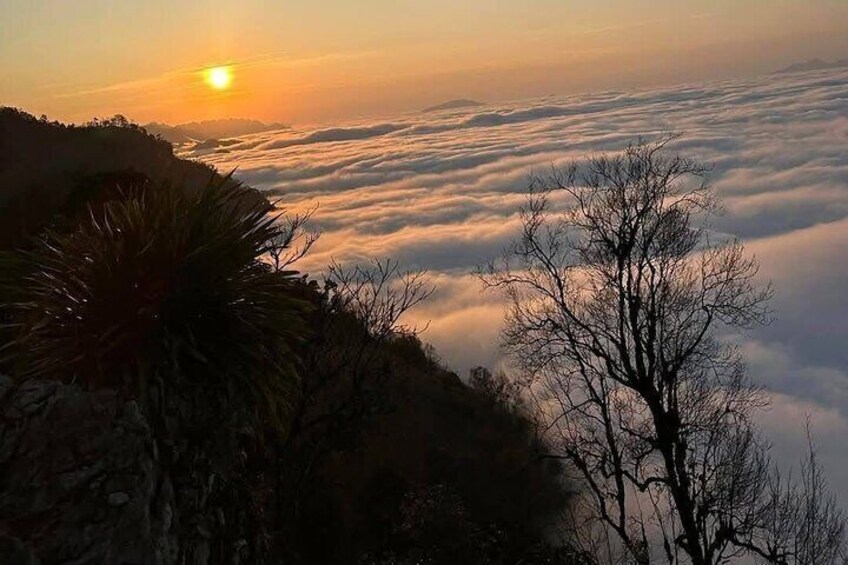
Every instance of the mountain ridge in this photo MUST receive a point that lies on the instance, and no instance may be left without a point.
(205, 130)
(812, 65)
(456, 104)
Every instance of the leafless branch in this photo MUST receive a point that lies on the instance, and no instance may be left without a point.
(293, 240)
(618, 308)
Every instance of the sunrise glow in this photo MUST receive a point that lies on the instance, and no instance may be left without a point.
(219, 78)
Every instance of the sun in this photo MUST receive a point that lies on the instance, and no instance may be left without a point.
(219, 78)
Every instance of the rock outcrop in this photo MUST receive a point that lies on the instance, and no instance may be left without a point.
(79, 479)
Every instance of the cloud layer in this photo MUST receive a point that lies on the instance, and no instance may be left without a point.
(441, 191)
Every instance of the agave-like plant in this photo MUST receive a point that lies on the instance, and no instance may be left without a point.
(169, 284)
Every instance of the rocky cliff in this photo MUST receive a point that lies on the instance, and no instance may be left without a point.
(79, 479)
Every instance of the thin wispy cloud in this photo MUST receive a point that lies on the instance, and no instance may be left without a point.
(189, 77)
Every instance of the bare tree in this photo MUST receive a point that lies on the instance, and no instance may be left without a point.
(293, 240)
(799, 521)
(621, 307)
(379, 294)
(343, 363)
(361, 309)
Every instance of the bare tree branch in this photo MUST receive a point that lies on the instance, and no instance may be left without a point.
(619, 308)
(293, 240)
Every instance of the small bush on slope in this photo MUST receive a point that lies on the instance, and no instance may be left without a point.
(163, 283)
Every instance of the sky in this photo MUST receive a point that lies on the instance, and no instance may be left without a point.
(322, 61)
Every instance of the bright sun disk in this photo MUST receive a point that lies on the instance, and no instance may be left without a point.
(219, 77)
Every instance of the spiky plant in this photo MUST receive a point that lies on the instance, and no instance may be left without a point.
(168, 284)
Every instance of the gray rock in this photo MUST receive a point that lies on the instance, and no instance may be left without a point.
(84, 481)
(15, 552)
(118, 499)
(79, 481)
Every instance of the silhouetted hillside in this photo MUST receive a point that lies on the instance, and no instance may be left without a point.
(232, 408)
(440, 473)
(44, 166)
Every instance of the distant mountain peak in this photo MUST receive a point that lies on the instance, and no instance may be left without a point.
(454, 105)
(813, 65)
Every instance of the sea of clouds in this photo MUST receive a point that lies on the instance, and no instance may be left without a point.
(441, 191)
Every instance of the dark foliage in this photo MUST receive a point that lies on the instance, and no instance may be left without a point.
(433, 472)
(161, 278)
(42, 165)
(164, 294)
(128, 273)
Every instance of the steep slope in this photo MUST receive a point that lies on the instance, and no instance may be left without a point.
(397, 460)
(44, 164)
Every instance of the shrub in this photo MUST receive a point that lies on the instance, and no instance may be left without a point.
(167, 283)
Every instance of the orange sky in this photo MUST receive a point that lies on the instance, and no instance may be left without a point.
(333, 60)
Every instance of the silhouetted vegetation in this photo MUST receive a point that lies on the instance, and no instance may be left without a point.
(159, 282)
(301, 421)
(620, 307)
(45, 166)
(296, 420)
